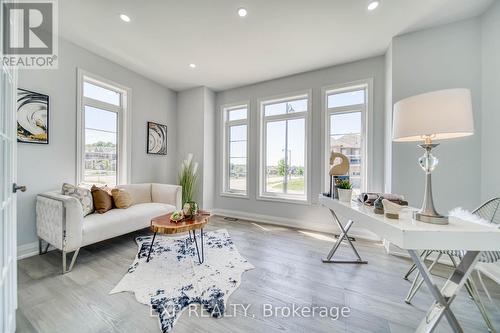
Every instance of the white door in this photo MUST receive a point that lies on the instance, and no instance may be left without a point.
(8, 253)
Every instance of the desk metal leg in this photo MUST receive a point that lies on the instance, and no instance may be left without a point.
(417, 282)
(343, 235)
(445, 296)
(151, 247)
(425, 254)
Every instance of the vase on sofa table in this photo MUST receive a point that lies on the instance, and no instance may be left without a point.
(345, 195)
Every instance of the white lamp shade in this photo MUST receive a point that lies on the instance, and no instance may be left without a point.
(442, 114)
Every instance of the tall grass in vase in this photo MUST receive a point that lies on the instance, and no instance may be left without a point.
(187, 179)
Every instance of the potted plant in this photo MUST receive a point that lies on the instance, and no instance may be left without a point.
(187, 179)
(344, 188)
(190, 209)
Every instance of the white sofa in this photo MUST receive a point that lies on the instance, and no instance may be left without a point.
(60, 221)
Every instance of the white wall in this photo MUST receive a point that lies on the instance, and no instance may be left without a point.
(298, 215)
(190, 131)
(388, 122)
(46, 167)
(433, 59)
(209, 149)
(490, 82)
(196, 115)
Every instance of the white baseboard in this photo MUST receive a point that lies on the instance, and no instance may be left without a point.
(27, 250)
(30, 250)
(292, 223)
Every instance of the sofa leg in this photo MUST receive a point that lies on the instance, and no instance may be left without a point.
(73, 260)
(40, 245)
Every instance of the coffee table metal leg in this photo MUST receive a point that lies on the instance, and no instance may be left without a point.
(202, 258)
(151, 246)
(202, 247)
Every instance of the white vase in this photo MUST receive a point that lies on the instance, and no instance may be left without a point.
(345, 195)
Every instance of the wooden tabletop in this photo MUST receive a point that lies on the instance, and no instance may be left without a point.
(162, 224)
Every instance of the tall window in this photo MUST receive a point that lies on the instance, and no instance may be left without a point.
(102, 117)
(283, 148)
(235, 119)
(346, 130)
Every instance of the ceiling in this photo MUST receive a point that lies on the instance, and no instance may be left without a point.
(277, 38)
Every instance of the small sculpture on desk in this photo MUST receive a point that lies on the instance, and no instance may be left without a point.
(378, 206)
(338, 171)
(391, 209)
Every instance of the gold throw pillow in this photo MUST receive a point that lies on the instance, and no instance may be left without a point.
(103, 201)
(121, 198)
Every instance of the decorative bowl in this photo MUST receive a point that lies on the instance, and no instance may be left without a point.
(177, 216)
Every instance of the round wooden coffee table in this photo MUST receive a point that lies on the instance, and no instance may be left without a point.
(162, 224)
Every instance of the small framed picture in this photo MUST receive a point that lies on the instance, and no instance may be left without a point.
(32, 117)
(157, 139)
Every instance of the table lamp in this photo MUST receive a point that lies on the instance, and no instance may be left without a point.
(438, 115)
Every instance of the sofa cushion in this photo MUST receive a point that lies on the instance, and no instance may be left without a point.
(98, 227)
(163, 193)
(121, 198)
(82, 194)
(140, 193)
(103, 201)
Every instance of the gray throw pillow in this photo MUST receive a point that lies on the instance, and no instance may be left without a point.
(82, 194)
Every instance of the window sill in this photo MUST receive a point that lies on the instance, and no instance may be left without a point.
(289, 200)
(234, 195)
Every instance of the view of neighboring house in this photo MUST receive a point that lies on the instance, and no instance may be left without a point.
(100, 162)
(350, 146)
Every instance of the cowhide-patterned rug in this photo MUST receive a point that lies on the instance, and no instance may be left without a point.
(173, 279)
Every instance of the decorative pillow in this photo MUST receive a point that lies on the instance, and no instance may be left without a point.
(121, 198)
(108, 190)
(103, 201)
(82, 194)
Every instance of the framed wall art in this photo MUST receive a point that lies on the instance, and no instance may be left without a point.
(32, 117)
(157, 139)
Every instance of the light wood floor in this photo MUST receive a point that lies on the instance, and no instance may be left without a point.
(288, 270)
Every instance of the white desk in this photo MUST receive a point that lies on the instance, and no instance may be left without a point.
(413, 236)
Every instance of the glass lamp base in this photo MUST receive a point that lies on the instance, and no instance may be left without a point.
(428, 162)
(433, 219)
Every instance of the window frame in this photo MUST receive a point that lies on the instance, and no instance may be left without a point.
(263, 120)
(124, 160)
(226, 124)
(366, 110)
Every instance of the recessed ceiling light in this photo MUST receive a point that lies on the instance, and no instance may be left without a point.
(242, 12)
(372, 4)
(125, 18)
(192, 65)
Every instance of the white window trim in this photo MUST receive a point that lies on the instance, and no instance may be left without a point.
(367, 128)
(277, 197)
(124, 116)
(224, 190)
